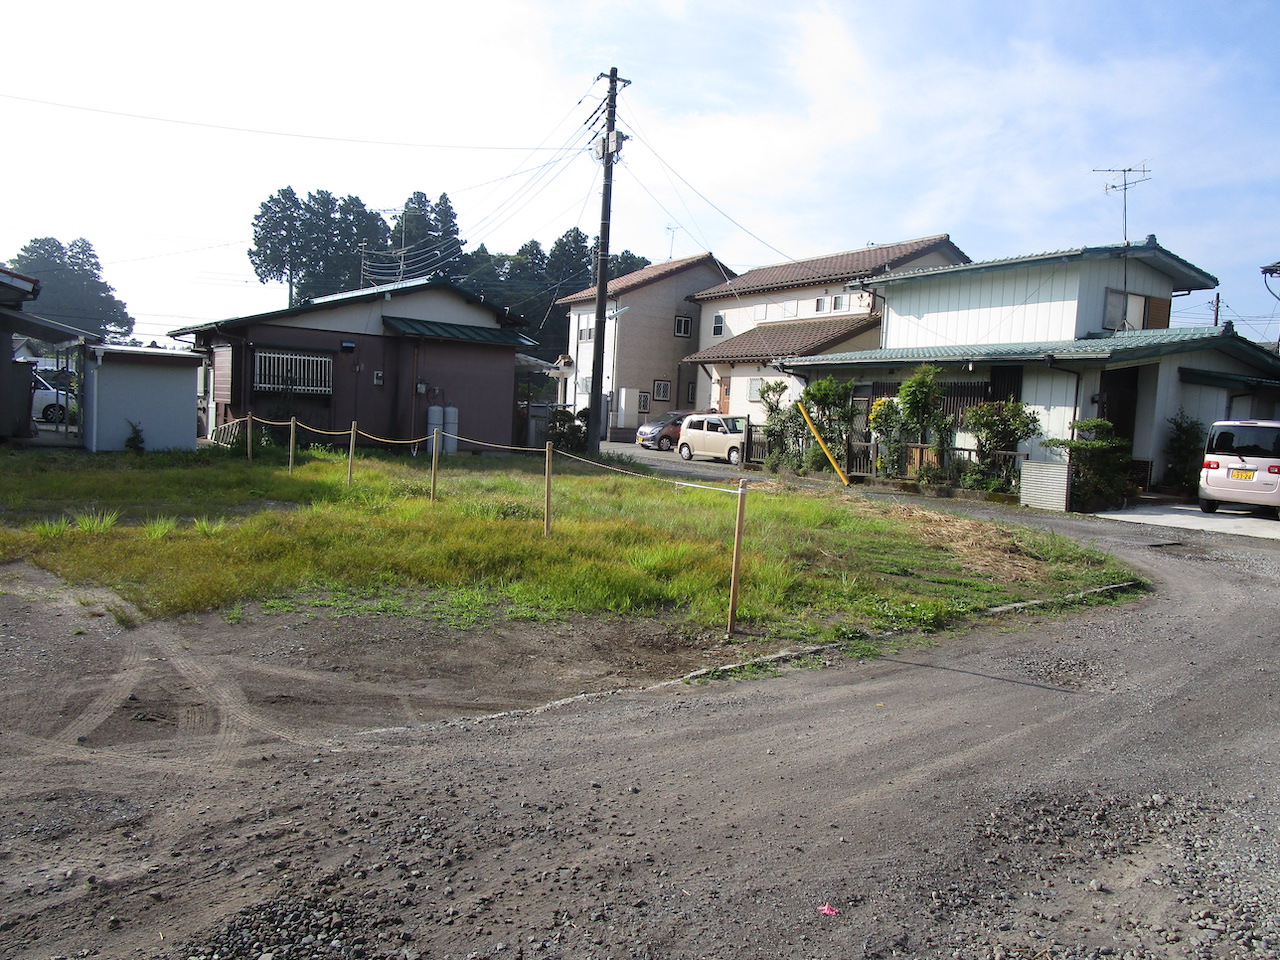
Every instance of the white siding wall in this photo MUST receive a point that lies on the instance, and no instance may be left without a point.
(1034, 303)
(1051, 394)
(1098, 276)
(744, 313)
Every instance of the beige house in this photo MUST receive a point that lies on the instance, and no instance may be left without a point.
(651, 326)
(795, 309)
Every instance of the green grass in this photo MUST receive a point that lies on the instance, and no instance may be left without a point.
(812, 563)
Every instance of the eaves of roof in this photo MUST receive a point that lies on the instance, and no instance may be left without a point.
(367, 294)
(1185, 275)
(785, 338)
(436, 330)
(647, 275)
(42, 328)
(833, 268)
(1127, 346)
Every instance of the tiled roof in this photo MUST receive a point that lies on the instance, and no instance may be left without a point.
(646, 275)
(784, 338)
(833, 268)
(1126, 345)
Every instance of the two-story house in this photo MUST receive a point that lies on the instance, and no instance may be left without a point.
(1074, 334)
(651, 325)
(792, 309)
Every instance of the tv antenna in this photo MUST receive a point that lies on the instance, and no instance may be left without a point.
(1123, 188)
(671, 252)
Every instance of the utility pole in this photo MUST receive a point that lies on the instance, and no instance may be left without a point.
(607, 147)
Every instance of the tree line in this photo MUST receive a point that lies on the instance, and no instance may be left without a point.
(325, 244)
(72, 290)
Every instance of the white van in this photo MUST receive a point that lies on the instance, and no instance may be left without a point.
(712, 435)
(1241, 464)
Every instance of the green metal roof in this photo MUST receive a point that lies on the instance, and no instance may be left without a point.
(1128, 346)
(437, 330)
(1185, 275)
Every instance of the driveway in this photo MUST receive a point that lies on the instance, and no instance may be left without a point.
(1242, 521)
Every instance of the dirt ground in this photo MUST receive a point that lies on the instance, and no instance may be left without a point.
(283, 785)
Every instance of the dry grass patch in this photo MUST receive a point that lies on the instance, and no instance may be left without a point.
(984, 548)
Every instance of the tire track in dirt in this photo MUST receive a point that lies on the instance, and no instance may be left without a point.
(236, 715)
(115, 691)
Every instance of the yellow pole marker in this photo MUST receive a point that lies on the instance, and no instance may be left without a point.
(823, 444)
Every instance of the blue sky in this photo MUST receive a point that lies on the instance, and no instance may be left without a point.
(758, 133)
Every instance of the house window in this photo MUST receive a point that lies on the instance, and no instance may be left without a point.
(285, 372)
(587, 333)
(1132, 311)
(761, 312)
(684, 326)
(691, 392)
(753, 389)
(838, 302)
(790, 309)
(821, 305)
(717, 325)
(662, 389)
(642, 405)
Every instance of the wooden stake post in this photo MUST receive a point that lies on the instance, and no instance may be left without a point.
(546, 505)
(737, 555)
(351, 453)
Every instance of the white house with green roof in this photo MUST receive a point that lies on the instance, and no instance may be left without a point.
(1074, 334)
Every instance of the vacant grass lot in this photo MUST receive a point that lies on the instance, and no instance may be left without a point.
(175, 533)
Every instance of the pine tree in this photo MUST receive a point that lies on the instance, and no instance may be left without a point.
(72, 290)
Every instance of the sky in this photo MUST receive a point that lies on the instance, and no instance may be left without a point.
(758, 133)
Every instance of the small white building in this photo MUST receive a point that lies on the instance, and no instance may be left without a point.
(152, 390)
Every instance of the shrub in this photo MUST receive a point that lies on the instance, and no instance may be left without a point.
(886, 420)
(1184, 451)
(1099, 464)
(566, 432)
(997, 427)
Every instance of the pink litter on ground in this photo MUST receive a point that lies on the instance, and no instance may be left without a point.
(828, 909)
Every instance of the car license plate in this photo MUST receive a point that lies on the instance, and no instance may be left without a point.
(1241, 474)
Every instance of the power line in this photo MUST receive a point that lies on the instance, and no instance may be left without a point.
(262, 133)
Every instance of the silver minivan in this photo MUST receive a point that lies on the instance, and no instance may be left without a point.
(1241, 464)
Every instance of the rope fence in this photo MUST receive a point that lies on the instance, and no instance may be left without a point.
(230, 432)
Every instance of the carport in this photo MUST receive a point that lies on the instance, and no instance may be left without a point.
(15, 376)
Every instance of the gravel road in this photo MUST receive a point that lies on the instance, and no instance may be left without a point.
(1097, 784)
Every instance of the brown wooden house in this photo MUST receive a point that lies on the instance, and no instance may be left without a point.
(380, 356)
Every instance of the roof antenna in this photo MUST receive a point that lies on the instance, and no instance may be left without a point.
(1123, 188)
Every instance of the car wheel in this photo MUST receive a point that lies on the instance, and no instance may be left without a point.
(664, 444)
(686, 452)
(1208, 506)
(735, 456)
(54, 413)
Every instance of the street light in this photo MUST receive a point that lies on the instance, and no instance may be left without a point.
(1273, 270)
